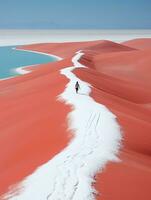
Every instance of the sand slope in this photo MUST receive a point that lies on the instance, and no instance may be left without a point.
(28, 129)
(121, 81)
(142, 43)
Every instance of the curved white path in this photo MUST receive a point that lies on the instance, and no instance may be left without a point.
(70, 174)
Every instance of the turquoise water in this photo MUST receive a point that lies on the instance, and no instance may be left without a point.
(11, 59)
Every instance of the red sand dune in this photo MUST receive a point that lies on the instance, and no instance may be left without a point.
(106, 46)
(143, 43)
(131, 67)
(30, 134)
(34, 132)
(121, 82)
(63, 50)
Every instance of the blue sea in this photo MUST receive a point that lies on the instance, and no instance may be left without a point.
(11, 59)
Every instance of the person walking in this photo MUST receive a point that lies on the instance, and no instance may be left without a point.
(77, 86)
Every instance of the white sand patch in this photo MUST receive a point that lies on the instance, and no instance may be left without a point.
(70, 174)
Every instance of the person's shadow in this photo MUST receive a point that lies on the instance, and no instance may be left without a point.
(82, 94)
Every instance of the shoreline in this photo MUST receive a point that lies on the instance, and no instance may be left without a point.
(22, 70)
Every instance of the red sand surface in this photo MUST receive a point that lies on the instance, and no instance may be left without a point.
(63, 50)
(32, 131)
(144, 43)
(121, 82)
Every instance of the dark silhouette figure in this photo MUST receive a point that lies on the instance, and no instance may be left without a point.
(77, 86)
